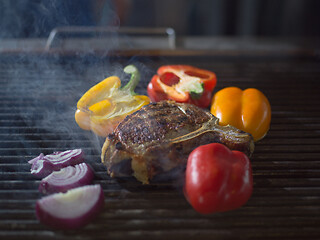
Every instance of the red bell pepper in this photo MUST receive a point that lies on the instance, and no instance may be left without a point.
(182, 83)
(217, 179)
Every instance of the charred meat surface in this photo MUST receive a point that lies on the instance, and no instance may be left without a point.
(160, 136)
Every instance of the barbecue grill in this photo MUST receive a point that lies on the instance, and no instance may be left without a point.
(39, 91)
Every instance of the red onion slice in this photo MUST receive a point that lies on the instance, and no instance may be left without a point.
(66, 158)
(67, 178)
(71, 210)
(43, 165)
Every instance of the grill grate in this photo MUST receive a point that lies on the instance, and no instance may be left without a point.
(38, 96)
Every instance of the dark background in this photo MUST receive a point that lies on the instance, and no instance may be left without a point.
(36, 18)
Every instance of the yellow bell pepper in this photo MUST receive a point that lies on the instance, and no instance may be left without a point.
(104, 105)
(248, 110)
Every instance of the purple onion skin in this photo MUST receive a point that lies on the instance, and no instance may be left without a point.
(47, 186)
(36, 159)
(41, 168)
(52, 163)
(70, 223)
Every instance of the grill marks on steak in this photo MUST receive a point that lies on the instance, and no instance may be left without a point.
(157, 123)
(160, 136)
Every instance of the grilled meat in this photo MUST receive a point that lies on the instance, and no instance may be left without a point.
(160, 136)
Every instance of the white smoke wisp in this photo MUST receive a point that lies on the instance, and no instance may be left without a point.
(44, 88)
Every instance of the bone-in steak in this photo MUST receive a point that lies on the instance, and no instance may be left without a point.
(160, 136)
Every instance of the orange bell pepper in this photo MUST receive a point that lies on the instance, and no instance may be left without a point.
(104, 105)
(248, 110)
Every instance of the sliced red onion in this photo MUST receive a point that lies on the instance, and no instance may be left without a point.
(67, 178)
(71, 210)
(43, 165)
(66, 158)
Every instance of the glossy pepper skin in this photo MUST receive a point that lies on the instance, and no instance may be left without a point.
(248, 110)
(182, 83)
(104, 105)
(217, 179)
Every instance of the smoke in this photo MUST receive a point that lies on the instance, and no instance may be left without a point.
(46, 92)
(42, 90)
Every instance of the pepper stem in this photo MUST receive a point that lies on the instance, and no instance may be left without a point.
(134, 80)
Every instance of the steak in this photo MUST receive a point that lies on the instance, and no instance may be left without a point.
(160, 136)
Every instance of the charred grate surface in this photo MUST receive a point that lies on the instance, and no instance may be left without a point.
(37, 101)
